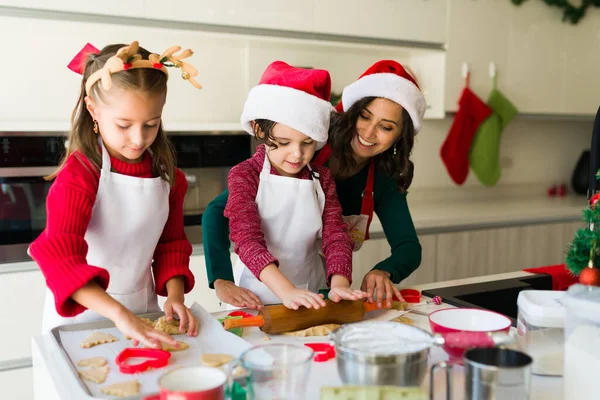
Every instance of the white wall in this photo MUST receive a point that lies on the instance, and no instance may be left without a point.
(541, 152)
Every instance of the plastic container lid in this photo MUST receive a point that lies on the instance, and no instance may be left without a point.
(585, 299)
(542, 307)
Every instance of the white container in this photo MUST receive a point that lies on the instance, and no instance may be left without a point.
(540, 329)
(582, 342)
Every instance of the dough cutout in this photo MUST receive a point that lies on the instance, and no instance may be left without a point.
(123, 389)
(319, 330)
(92, 362)
(215, 360)
(94, 374)
(171, 327)
(168, 347)
(98, 338)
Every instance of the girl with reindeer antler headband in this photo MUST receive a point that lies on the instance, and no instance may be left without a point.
(114, 236)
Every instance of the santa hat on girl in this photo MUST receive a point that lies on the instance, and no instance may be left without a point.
(387, 79)
(296, 97)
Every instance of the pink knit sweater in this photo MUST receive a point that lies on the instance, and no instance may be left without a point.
(245, 222)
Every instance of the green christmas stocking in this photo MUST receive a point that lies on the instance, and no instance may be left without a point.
(484, 154)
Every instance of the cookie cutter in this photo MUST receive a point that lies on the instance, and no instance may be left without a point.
(323, 351)
(155, 358)
(238, 314)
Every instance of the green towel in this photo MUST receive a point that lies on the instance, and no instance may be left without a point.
(484, 154)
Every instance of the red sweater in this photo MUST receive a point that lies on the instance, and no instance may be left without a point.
(60, 250)
(245, 223)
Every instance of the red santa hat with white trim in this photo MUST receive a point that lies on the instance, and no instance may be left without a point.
(390, 80)
(295, 97)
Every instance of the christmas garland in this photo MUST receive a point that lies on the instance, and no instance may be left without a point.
(571, 13)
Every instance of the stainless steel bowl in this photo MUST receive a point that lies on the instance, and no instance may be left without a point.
(381, 353)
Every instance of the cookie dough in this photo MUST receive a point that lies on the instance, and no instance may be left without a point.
(123, 389)
(92, 362)
(215, 360)
(319, 330)
(170, 327)
(98, 338)
(404, 320)
(94, 374)
(168, 347)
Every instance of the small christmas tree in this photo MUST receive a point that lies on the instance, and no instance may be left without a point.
(583, 254)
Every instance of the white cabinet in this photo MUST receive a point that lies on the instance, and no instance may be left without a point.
(410, 20)
(22, 297)
(477, 35)
(129, 8)
(544, 66)
(17, 384)
(201, 294)
(537, 43)
(46, 91)
(264, 14)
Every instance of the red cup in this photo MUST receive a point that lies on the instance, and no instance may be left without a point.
(466, 320)
(192, 383)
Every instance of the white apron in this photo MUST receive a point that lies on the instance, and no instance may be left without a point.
(291, 211)
(127, 221)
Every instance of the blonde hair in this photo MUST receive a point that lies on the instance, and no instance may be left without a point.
(82, 137)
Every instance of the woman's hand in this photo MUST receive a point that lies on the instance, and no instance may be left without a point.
(378, 282)
(296, 298)
(228, 292)
(140, 332)
(175, 305)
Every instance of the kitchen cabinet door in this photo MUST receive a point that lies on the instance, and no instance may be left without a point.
(582, 57)
(23, 296)
(17, 384)
(535, 80)
(426, 273)
(410, 20)
(51, 100)
(452, 256)
(264, 14)
(129, 8)
(477, 34)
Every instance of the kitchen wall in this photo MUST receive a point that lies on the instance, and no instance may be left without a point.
(534, 151)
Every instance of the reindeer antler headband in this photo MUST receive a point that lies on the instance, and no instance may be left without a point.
(127, 57)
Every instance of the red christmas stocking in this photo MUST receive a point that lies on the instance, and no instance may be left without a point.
(472, 111)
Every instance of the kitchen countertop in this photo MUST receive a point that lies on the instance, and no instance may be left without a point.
(49, 386)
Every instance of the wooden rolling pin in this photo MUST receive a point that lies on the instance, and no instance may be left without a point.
(280, 319)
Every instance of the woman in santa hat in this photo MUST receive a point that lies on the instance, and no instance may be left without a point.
(280, 205)
(368, 152)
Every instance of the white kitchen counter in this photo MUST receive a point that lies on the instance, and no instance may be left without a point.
(49, 384)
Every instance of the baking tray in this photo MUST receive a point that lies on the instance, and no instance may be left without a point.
(85, 326)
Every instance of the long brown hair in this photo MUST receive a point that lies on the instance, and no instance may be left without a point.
(399, 167)
(82, 138)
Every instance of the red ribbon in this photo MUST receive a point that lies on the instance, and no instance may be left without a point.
(77, 64)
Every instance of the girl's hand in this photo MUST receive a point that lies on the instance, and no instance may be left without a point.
(345, 293)
(174, 305)
(228, 292)
(297, 298)
(130, 325)
(379, 281)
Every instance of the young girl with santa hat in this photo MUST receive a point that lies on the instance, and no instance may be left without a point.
(280, 205)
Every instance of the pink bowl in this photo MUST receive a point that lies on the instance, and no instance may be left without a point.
(466, 320)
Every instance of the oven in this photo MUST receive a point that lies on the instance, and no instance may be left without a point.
(27, 157)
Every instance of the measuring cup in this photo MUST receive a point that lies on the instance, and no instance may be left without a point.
(490, 374)
(275, 371)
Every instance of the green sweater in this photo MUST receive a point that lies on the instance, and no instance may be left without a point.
(390, 206)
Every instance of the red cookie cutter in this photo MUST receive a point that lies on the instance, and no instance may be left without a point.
(411, 295)
(155, 358)
(242, 314)
(323, 351)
